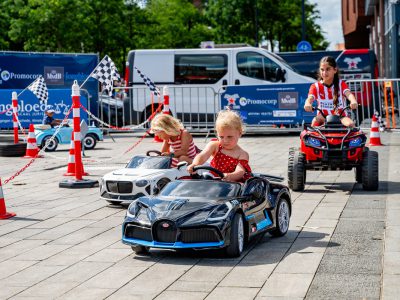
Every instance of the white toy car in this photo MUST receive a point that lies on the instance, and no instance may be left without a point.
(144, 175)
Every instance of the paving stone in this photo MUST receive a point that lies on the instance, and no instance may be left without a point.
(351, 264)
(286, 285)
(231, 293)
(181, 295)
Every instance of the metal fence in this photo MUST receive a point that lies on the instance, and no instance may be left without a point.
(379, 95)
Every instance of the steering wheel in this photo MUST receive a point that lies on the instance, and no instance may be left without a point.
(158, 153)
(218, 172)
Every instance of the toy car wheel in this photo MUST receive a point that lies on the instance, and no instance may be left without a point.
(358, 174)
(296, 170)
(282, 218)
(89, 141)
(52, 146)
(139, 249)
(114, 202)
(370, 171)
(235, 248)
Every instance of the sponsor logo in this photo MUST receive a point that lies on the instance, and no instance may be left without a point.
(35, 109)
(352, 63)
(54, 75)
(232, 100)
(5, 75)
(288, 100)
(243, 101)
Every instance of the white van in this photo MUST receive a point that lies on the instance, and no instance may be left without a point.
(195, 77)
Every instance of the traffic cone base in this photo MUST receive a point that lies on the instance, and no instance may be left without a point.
(32, 149)
(3, 211)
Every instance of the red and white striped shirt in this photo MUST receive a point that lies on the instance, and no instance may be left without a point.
(324, 97)
(177, 145)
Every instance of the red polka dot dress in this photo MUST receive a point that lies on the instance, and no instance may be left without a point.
(227, 164)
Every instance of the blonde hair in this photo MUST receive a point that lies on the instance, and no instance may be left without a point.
(229, 119)
(167, 123)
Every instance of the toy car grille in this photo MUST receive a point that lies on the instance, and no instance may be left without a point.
(137, 232)
(120, 187)
(202, 235)
(165, 231)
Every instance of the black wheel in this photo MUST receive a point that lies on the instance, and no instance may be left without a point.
(12, 150)
(370, 171)
(282, 218)
(296, 170)
(89, 141)
(139, 249)
(358, 174)
(52, 146)
(237, 236)
(160, 185)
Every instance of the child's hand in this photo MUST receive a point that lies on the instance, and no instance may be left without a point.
(190, 168)
(353, 105)
(165, 154)
(308, 107)
(229, 177)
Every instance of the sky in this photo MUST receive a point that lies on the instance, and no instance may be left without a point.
(330, 21)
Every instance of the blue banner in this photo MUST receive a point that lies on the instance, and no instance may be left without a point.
(20, 69)
(30, 110)
(268, 104)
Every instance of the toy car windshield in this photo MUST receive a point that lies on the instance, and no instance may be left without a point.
(149, 162)
(204, 189)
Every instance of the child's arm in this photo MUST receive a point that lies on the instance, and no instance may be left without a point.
(239, 172)
(186, 138)
(165, 148)
(353, 101)
(308, 104)
(202, 157)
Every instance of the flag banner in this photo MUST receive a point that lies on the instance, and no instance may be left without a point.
(106, 73)
(39, 88)
(149, 83)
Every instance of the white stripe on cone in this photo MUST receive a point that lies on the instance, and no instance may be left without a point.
(374, 134)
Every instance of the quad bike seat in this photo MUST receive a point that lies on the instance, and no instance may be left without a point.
(333, 121)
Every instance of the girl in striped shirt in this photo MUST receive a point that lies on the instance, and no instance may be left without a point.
(331, 94)
(177, 141)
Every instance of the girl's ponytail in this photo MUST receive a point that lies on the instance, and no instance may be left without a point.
(336, 90)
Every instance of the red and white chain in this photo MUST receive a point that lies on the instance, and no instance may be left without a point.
(5, 111)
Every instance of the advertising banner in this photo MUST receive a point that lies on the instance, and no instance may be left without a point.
(268, 104)
(59, 70)
(30, 110)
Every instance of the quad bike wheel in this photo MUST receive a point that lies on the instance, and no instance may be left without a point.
(370, 171)
(296, 170)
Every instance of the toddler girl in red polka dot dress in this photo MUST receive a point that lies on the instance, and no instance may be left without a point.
(227, 156)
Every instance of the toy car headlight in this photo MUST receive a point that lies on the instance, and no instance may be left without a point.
(142, 183)
(355, 142)
(313, 141)
(221, 212)
(132, 210)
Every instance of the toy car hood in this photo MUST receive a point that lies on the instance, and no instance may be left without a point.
(133, 172)
(182, 210)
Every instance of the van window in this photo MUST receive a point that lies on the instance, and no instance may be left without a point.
(255, 65)
(200, 69)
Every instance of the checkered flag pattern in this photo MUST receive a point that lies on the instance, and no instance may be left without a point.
(106, 73)
(39, 88)
(149, 83)
(381, 123)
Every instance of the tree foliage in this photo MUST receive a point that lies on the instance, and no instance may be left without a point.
(114, 27)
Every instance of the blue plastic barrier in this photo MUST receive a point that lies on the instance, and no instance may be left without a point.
(30, 110)
(268, 104)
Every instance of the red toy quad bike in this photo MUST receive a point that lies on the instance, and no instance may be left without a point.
(333, 146)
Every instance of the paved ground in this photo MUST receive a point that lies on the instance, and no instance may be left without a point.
(343, 242)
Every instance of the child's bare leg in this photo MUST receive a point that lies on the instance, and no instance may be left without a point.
(346, 121)
(318, 121)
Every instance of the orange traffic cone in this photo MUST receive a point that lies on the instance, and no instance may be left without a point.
(71, 159)
(3, 211)
(32, 149)
(374, 135)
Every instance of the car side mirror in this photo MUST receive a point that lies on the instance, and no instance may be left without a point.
(181, 164)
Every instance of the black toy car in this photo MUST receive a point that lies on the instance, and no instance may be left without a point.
(204, 212)
(333, 147)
